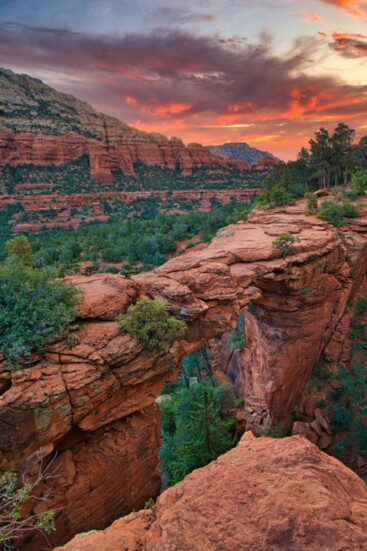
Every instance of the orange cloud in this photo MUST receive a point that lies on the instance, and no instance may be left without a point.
(309, 17)
(355, 8)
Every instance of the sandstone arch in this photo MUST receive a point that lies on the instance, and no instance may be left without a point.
(93, 401)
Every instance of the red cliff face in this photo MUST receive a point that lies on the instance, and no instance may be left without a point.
(42, 126)
(266, 494)
(91, 397)
(106, 156)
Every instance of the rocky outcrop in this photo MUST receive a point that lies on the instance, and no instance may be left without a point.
(266, 163)
(264, 494)
(92, 387)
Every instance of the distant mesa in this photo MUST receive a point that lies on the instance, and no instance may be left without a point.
(241, 151)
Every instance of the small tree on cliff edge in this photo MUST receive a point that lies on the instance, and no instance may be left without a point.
(148, 322)
(284, 241)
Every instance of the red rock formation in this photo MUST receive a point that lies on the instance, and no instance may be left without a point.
(99, 378)
(64, 203)
(266, 163)
(266, 494)
(118, 153)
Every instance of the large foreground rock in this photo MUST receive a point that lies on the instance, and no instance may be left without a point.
(264, 495)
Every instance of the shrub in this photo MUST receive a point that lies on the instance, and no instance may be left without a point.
(337, 213)
(148, 322)
(20, 247)
(34, 306)
(359, 181)
(312, 205)
(237, 337)
(332, 212)
(275, 431)
(112, 270)
(284, 241)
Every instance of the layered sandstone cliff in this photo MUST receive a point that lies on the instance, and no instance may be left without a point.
(42, 126)
(90, 398)
(265, 494)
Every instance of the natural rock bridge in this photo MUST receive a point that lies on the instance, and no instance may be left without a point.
(91, 397)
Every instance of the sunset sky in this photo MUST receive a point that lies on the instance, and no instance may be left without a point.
(268, 72)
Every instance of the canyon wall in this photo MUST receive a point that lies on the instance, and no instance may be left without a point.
(89, 399)
(108, 154)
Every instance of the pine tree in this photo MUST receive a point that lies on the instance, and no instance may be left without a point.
(196, 429)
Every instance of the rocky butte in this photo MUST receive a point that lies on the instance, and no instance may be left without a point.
(90, 399)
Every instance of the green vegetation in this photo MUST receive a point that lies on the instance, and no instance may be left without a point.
(148, 322)
(196, 428)
(237, 337)
(338, 213)
(275, 431)
(15, 492)
(312, 204)
(141, 236)
(331, 160)
(74, 177)
(34, 306)
(284, 241)
(348, 407)
(359, 181)
(21, 248)
(319, 375)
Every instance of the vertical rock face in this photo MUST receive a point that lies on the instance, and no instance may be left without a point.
(266, 494)
(90, 398)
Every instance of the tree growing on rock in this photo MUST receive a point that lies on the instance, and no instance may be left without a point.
(284, 241)
(148, 322)
(312, 205)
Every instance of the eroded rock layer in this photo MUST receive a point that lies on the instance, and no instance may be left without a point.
(266, 494)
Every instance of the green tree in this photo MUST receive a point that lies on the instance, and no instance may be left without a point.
(148, 322)
(34, 306)
(359, 181)
(21, 248)
(196, 428)
(284, 241)
(342, 148)
(312, 205)
(321, 156)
